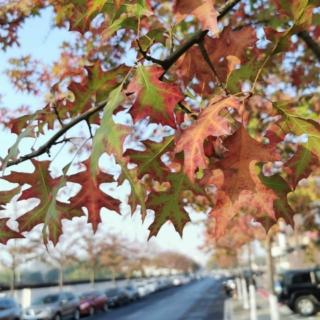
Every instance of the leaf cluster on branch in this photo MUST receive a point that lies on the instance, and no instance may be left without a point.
(229, 88)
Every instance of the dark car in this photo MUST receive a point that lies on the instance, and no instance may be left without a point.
(92, 301)
(300, 290)
(116, 297)
(9, 309)
(53, 307)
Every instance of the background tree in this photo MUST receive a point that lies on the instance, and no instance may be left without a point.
(14, 255)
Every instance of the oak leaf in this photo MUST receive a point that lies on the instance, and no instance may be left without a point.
(203, 10)
(242, 152)
(6, 196)
(155, 98)
(6, 233)
(299, 125)
(44, 188)
(149, 160)
(231, 45)
(169, 205)
(95, 88)
(91, 196)
(110, 138)
(209, 123)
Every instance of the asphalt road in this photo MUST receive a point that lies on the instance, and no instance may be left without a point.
(199, 300)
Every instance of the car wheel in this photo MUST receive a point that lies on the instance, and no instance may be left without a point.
(76, 315)
(57, 317)
(91, 311)
(305, 306)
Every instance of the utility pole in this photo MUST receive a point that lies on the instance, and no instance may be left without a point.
(252, 286)
(273, 301)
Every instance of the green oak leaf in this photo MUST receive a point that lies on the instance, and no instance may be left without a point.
(169, 205)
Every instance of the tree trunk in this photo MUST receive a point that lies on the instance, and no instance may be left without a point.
(113, 276)
(13, 280)
(93, 277)
(61, 269)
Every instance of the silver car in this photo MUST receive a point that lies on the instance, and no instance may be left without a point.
(56, 306)
(9, 309)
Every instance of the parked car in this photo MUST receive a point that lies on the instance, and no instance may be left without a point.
(163, 283)
(116, 297)
(9, 309)
(92, 301)
(300, 290)
(142, 288)
(131, 292)
(56, 306)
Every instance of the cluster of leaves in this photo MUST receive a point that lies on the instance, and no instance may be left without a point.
(235, 83)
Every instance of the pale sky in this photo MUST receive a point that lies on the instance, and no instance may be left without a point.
(41, 41)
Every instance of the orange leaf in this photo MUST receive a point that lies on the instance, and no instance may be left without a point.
(209, 123)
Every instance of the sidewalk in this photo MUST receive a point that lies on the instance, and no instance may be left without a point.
(239, 313)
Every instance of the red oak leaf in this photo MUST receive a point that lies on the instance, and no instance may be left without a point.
(155, 98)
(242, 151)
(44, 188)
(6, 233)
(91, 196)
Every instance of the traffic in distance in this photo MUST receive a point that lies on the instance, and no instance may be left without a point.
(72, 305)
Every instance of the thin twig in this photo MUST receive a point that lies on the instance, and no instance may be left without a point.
(147, 57)
(45, 148)
(58, 115)
(89, 127)
(210, 64)
(187, 110)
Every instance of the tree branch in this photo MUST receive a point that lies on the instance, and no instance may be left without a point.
(310, 42)
(196, 38)
(53, 140)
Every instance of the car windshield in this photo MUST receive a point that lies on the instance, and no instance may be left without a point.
(47, 299)
(88, 295)
(112, 292)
